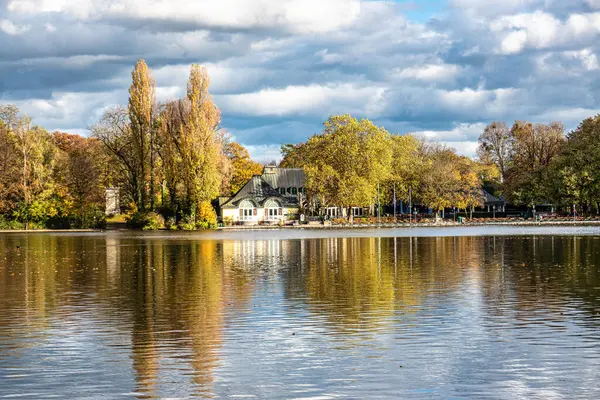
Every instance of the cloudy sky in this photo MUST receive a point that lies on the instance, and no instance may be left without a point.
(279, 68)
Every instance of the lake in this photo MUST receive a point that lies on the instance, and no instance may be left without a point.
(482, 312)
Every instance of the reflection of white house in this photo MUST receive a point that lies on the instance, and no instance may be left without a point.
(271, 197)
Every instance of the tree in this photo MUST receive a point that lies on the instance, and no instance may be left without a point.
(535, 146)
(345, 164)
(36, 157)
(496, 144)
(406, 165)
(293, 155)
(141, 116)
(243, 168)
(574, 175)
(10, 175)
(200, 145)
(80, 170)
(172, 118)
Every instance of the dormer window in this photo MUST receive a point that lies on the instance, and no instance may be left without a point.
(282, 191)
(294, 191)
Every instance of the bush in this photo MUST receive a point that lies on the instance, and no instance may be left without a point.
(228, 221)
(171, 224)
(10, 224)
(148, 221)
(207, 218)
(187, 223)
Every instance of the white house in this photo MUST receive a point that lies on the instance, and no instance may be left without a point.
(271, 197)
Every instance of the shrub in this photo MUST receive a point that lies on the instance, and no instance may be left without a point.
(207, 218)
(10, 224)
(228, 221)
(187, 223)
(171, 224)
(148, 221)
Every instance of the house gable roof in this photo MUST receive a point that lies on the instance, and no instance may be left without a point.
(284, 177)
(490, 199)
(259, 191)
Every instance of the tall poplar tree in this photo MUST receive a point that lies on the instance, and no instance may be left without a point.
(200, 145)
(141, 110)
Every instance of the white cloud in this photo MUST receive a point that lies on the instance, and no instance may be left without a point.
(13, 29)
(541, 30)
(430, 72)
(70, 110)
(586, 56)
(265, 153)
(294, 15)
(312, 99)
(459, 133)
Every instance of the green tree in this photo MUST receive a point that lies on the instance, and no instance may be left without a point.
(347, 161)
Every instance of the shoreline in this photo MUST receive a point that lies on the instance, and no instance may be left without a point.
(326, 227)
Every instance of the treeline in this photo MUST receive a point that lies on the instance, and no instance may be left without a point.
(354, 163)
(168, 159)
(172, 159)
(48, 180)
(539, 164)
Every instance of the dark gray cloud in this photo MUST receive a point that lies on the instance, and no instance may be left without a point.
(278, 70)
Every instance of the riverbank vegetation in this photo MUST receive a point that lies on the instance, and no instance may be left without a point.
(170, 160)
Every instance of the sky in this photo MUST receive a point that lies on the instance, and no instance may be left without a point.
(442, 69)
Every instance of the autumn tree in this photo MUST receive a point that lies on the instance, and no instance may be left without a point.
(535, 146)
(243, 167)
(113, 130)
(80, 170)
(172, 119)
(406, 166)
(10, 174)
(573, 176)
(496, 144)
(141, 116)
(347, 161)
(200, 144)
(36, 158)
(293, 155)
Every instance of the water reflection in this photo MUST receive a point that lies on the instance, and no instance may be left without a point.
(102, 316)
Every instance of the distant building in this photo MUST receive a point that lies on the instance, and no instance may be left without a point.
(271, 197)
(493, 203)
(112, 201)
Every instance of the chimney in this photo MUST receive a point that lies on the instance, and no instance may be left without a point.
(269, 169)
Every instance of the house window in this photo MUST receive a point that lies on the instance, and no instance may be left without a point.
(273, 210)
(332, 212)
(282, 191)
(247, 211)
(357, 211)
(294, 191)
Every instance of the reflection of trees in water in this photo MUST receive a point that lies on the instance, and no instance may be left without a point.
(40, 274)
(538, 278)
(169, 297)
(360, 283)
(177, 294)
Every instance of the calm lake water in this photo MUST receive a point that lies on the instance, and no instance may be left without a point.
(501, 313)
